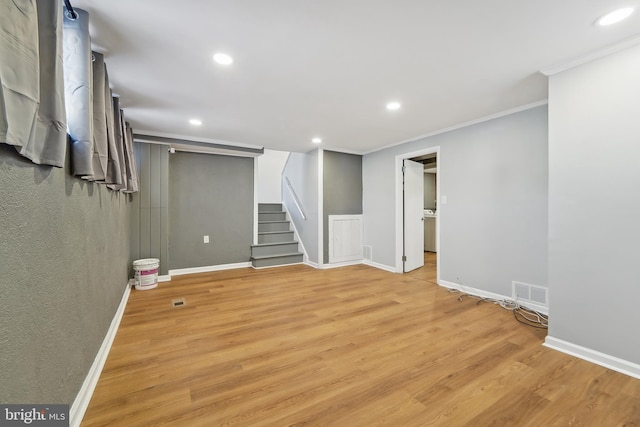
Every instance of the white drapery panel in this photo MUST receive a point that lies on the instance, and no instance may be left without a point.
(32, 113)
(79, 92)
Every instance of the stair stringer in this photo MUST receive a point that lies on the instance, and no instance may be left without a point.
(296, 236)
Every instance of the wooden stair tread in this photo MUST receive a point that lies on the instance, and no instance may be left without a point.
(260, 245)
(277, 256)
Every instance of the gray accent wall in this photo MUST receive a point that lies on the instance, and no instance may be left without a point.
(150, 215)
(493, 229)
(302, 171)
(594, 205)
(342, 189)
(64, 266)
(210, 195)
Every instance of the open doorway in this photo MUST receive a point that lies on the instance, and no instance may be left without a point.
(407, 247)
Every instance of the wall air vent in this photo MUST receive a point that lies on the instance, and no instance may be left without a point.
(530, 293)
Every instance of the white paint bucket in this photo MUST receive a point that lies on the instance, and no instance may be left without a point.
(146, 273)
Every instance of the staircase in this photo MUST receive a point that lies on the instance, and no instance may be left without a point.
(276, 244)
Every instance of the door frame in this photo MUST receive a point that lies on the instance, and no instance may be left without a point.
(400, 205)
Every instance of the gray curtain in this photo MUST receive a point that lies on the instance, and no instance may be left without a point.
(32, 113)
(49, 87)
(78, 92)
(113, 164)
(100, 143)
(132, 174)
(119, 138)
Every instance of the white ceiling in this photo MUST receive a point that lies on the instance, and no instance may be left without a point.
(327, 68)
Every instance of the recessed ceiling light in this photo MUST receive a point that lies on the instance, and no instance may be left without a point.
(316, 140)
(195, 122)
(393, 106)
(223, 58)
(615, 16)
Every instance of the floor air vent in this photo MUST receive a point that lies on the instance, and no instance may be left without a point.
(178, 302)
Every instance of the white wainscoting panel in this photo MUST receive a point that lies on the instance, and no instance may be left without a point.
(345, 238)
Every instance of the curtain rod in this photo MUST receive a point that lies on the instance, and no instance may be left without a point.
(70, 12)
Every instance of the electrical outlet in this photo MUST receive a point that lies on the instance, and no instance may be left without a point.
(206, 239)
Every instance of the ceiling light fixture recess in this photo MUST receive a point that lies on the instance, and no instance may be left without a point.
(223, 58)
(393, 106)
(615, 16)
(195, 122)
(316, 140)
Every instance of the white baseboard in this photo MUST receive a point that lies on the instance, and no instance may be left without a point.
(207, 269)
(341, 264)
(593, 356)
(380, 266)
(164, 278)
(348, 263)
(312, 264)
(486, 294)
(81, 402)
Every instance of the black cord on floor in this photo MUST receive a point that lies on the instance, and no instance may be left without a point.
(526, 321)
(521, 314)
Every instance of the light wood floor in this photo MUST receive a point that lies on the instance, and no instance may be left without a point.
(353, 346)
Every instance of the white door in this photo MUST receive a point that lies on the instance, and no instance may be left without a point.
(413, 196)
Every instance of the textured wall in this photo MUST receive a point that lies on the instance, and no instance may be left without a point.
(210, 195)
(342, 189)
(64, 263)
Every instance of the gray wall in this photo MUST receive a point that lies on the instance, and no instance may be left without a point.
(150, 214)
(429, 190)
(64, 264)
(342, 188)
(493, 228)
(302, 170)
(594, 149)
(210, 195)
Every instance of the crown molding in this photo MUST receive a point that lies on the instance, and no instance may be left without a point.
(465, 124)
(592, 56)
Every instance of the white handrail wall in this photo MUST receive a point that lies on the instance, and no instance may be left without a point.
(295, 199)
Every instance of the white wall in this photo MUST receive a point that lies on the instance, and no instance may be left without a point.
(594, 205)
(270, 166)
(302, 170)
(493, 229)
